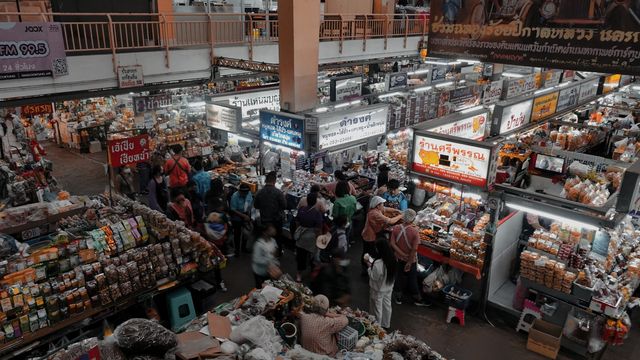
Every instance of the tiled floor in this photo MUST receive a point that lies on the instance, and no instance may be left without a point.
(478, 340)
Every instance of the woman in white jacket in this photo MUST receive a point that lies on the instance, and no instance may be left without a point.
(382, 273)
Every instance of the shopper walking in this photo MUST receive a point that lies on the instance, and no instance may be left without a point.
(382, 273)
(271, 204)
(310, 221)
(215, 197)
(376, 222)
(201, 178)
(158, 192)
(177, 168)
(124, 183)
(241, 204)
(345, 203)
(264, 262)
(404, 241)
(217, 231)
(179, 209)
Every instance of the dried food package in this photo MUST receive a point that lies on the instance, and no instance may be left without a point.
(145, 337)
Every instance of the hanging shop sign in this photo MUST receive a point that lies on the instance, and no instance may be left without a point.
(440, 72)
(602, 36)
(224, 117)
(130, 76)
(465, 97)
(544, 106)
(36, 109)
(568, 75)
(520, 86)
(335, 129)
(30, 50)
(252, 102)
(282, 129)
(143, 104)
(511, 117)
(344, 88)
(625, 80)
(588, 90)
(568, 98)
(487, 70)
(396, 81)
(129, 151)
(444, 158)
(611, 82)
(492, 92)
(472, 127)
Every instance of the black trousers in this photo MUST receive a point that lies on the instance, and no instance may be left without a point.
(239, 240)
(302, 258)
(259, 280)
(368, 247)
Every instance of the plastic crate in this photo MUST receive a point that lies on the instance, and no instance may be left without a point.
(347, 338)
(457, 296)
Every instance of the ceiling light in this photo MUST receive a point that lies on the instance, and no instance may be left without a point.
(513, 75)
(239, 138)
(355, 102)
(564, 84)
(322, 109)
(418, 72)
(563, 220)
(341, 105)
(469, 61)
(432, 62)
(448, 83)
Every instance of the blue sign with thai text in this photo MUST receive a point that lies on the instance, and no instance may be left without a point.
(282, 129)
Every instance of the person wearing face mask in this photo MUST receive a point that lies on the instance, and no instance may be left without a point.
(124, 183)
(395, 198)
(179, 209)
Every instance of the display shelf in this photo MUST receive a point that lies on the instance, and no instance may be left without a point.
(51, 219)
(438, 256)
(568, 298)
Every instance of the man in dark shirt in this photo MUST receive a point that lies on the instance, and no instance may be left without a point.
(271, 203)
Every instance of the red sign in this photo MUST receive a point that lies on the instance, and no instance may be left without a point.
(37, 109)
(129, 151)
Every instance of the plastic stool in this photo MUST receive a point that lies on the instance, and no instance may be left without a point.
(181, 310)
(530, 313)
(455, 313)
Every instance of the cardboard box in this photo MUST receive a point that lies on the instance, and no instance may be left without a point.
(544, 339)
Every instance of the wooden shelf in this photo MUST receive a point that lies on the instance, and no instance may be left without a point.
(48, 220)
(442, 258)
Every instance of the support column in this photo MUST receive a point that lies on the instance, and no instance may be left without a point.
(299, 29)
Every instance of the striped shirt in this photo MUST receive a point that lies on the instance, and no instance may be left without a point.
(319, 332)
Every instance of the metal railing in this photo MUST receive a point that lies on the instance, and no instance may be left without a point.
(118, 32)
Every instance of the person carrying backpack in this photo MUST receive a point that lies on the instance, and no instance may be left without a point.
(177, 168)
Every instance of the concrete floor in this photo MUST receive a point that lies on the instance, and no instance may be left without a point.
(478, 340)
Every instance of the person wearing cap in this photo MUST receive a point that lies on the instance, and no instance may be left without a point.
(376, 222)
(404, 241)
(396, 199)
(241, 203)
(319, 328)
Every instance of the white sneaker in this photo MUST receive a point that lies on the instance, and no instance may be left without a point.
(223, 287)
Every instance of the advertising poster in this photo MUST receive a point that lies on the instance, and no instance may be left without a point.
(552, 78)
(492, 92)
(591, 35)
(30, 50)
(397, 81)
(568, 98)
(252, 102)
(469, 128)
(520, 86)
(544, 106)
(589, 89)
(282, 129)
(515, 116)
(223, 117)
(345, 88)
(456, 162)
(129, 151)
(343, 128)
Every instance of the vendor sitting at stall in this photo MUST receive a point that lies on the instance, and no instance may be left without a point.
(319, 328)
(396, 199)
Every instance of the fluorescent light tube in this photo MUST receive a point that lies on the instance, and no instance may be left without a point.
(197, 104)
(418, 72)
(465, 111)
(341, 105)
(322, 109)
(424, 88)
(547, 215)
(384, 96)
(449, 83)
(514, 75)
(469, 61)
